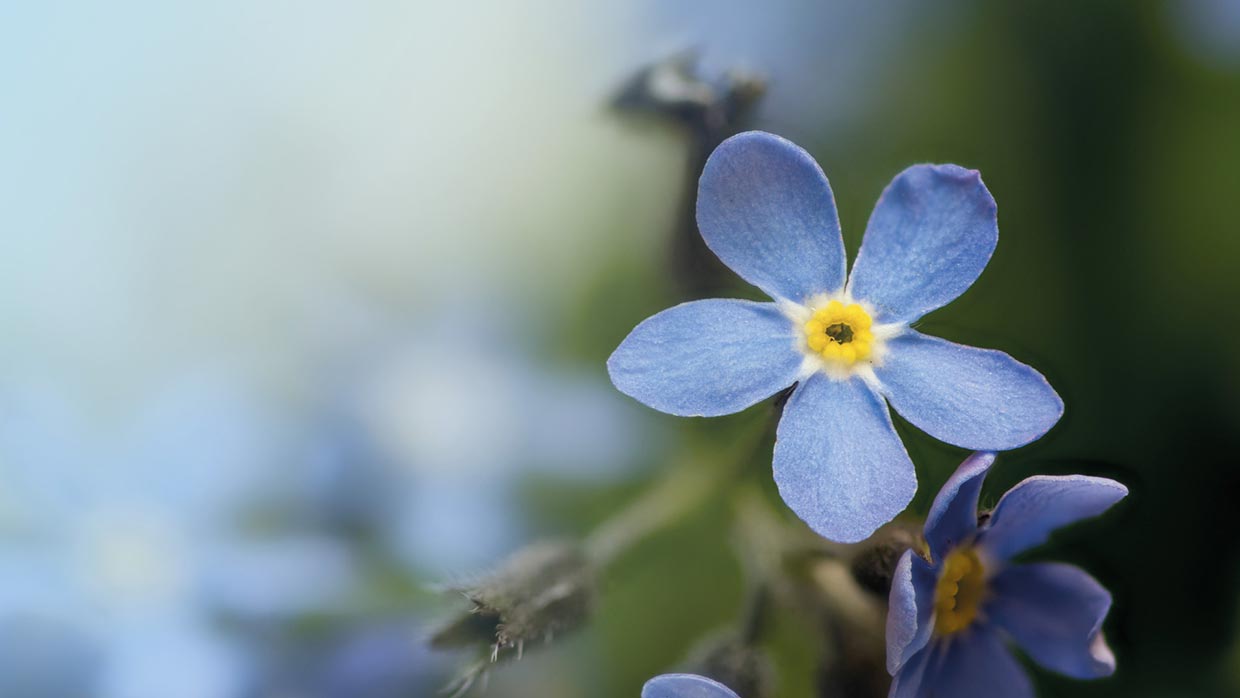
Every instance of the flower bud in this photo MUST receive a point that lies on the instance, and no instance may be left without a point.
(875, 560)
(542, 591)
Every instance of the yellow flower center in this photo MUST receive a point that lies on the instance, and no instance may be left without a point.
(959, 592)
(840, 333)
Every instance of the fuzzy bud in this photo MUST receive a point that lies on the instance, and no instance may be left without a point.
(875, 561)
(542, 591)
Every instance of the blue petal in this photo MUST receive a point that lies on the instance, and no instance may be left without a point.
(978, 399)
(910, 680)
(931, 234)
(44, 658)
(975, 664)
(707, 358)
(1027, 514)
(953, 516)
(765, 208)
(685, 686)
(838, 461)
(1055, 612)
(910, 607)
(172, 655)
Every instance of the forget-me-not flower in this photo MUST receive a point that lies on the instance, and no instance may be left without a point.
(766, 209)
(685, 686)
(949, 617)
(125, 543)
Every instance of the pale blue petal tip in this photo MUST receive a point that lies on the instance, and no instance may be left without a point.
(839, 463)
(766, 209)
(978, 399)
(930, 236)
(685, 686)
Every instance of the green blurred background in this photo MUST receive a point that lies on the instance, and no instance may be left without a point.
(412, 235)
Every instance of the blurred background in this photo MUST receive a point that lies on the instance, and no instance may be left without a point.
(305, 308)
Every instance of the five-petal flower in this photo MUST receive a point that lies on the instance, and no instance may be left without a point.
(685, 686)
(766, 209)
(948, 617)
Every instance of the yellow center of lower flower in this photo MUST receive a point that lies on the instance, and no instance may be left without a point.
(959, 592)
(840, 333)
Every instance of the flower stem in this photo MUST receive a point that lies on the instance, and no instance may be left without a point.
(690, 484)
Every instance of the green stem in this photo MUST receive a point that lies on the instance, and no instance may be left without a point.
(689, 485)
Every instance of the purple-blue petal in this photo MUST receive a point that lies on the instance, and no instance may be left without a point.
(766, 209)
(839, 463)
(1027, 514)
(1054, 612)
(910, 610)
(972, 664)
(978, 399)
(975, 664)
(707, 358)
(685, 686)
(929, 238)
(910, 680)
(953, 516)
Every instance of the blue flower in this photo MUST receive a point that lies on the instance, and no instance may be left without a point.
(766, 209)
(685, 686)
(120, 552)
(948, 618)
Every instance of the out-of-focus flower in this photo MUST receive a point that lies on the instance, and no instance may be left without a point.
(766, 209)
(948, 615)
(377, 658)
(426, 442)
(1209, 30)
(42, 659)
(132, 546)
(685, 686)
